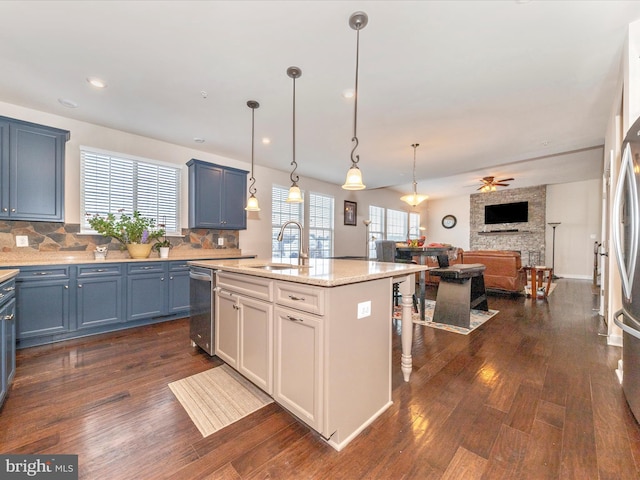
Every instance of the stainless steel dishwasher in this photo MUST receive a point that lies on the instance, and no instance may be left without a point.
(202, 282)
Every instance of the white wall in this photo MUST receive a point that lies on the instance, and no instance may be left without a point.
(577, 206)
(459, 208)
(349, 240)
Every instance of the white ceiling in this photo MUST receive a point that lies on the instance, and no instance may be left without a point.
(486, 87)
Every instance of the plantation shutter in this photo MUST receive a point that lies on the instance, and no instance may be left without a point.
(111, 183)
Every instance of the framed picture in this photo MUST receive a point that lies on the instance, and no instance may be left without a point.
(350, 213)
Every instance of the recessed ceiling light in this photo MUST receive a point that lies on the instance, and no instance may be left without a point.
(97, 82)
(198, 140)
(348, 93)
(266, 141)
(204, 94)
(65, 102)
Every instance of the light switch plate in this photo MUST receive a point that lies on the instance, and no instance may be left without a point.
(364, 309)
(22, 241)
(220, 241)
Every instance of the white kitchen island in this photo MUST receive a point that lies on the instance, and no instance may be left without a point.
(316, 338)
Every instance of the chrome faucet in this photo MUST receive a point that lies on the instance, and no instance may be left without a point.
(303, 253)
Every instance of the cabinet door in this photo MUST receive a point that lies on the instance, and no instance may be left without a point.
(36, 173)
(226, 327)
(7, 347)
(256, 344)
(179, 292)
(146, 296)
(4, 169)
(99, 301)
(43, 306)
(205, 193)
(234, 216)
(298, 365)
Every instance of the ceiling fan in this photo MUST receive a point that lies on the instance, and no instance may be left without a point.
(489, 184)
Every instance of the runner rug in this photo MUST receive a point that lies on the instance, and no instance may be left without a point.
(477, 318)
(218, 397)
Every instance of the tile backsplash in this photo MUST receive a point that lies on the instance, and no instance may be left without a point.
(44, 237)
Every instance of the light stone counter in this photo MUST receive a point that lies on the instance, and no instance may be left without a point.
(8, 274)
(320, 272)
(70, 258)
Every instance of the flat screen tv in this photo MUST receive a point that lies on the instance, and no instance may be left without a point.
(516, 212)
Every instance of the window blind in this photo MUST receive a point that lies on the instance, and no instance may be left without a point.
(321, 225)
(111, 183)
(281, 211)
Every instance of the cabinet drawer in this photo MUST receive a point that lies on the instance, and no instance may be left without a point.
(301, 297)
(179, 265)
(98, 271)
(7, 291)
(148, 267)
(256, 287)
(43, 273)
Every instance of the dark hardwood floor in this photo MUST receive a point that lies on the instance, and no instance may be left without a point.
(530, 394)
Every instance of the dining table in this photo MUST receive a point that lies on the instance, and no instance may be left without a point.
(442, 253)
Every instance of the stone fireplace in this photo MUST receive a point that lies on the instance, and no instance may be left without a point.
(528, 237)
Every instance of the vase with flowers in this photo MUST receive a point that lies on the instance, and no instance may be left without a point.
(136, 233)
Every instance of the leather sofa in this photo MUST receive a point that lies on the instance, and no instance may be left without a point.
(503, 269)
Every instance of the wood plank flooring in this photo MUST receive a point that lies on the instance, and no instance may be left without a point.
(532, 394)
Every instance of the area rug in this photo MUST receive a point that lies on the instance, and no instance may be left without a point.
(218, 397)
(478, 317)
(527, 289)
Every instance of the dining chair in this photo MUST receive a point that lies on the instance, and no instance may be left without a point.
(386, 252)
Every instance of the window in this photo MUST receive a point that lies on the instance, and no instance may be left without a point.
(281, 211)
(414, 225)
(321, 208)
(376, 228)
(397, 227)
(110, 182)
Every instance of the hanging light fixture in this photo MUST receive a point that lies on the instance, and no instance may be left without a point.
(357, 21)
(295, 196)
(252, 202)
(414, 199)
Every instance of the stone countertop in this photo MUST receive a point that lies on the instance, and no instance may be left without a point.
(8, 274)
(69, 258)
(320, 272)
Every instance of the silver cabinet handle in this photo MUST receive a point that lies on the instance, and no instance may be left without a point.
(80, 286)
(66, 286)
(293, 297)
(5, 209)
(162, 279)
(13, 209)
(9, 289)
(9, 317)
(146, 268)
(41, 273)
(1, 295)
(294, 319)
(99, 269)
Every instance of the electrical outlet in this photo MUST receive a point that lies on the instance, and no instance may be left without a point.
(220, 241)
(22, 241)
(364, 309)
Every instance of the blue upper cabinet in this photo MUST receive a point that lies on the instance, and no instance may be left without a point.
(32, 171)
(217, 196)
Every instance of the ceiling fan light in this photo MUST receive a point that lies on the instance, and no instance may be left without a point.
(252, 204)
(354, 179)
(295, 195)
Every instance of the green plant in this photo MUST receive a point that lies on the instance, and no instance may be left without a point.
(126, 229)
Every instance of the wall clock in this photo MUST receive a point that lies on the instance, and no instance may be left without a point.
(449, 221)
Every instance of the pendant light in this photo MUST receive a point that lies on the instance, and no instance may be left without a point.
(295, 196)
(357, 21)
(414, 199)
(252, 202)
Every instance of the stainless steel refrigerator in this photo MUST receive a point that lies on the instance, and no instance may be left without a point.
(626, 243)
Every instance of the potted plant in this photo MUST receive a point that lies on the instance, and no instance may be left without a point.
(136, 233)
(162, 247)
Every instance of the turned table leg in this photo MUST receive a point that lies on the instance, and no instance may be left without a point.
(407, 289)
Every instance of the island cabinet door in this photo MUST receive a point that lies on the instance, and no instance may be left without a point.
(226, 327)
(298, 365)
(256, 342)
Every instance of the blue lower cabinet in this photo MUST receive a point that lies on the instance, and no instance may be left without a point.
(43, 307)
(179, 287)
(99, 301)
(147, 290)
(7, 337)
